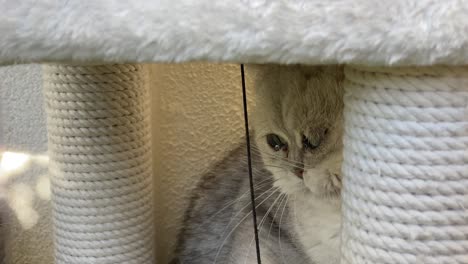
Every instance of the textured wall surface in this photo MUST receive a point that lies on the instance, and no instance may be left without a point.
(24, 194)
(197, 117)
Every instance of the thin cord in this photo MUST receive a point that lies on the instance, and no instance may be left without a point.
(249, 158)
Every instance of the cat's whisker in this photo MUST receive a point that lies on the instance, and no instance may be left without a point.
(283, 196)
(258, 186)
(272, 189)
(238, 224)
(273, 156)
(279, 230)
(295, 207)
(259, 152)
(296, 196)
(281, 167)
(287, 163)
(268, 211)
(260, 226)
(274, 166)
(254, 169)
(294, 164)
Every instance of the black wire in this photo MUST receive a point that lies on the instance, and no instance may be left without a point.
(249, 158)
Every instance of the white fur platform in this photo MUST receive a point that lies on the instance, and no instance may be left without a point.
(397, 32)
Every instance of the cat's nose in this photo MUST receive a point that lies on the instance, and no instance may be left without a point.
(298, 172)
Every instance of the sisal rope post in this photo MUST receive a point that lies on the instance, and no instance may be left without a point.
(405, 187)
(100, 163)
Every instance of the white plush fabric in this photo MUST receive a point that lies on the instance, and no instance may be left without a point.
(287, 31)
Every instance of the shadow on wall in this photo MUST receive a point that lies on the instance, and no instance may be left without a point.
(20, 196)
(24, 207)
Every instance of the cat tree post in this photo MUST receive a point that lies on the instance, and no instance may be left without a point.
(100, 163)
(405, 195)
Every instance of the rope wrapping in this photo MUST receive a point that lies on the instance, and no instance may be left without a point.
(100, 163)
(405, 186)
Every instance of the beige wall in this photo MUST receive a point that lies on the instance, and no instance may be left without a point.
(197, 116)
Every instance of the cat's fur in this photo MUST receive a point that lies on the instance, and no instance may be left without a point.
(298, 218)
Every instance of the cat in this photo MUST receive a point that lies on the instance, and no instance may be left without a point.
(296, 158)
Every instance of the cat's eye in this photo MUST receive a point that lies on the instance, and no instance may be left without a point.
(308, 145)
(276, 143)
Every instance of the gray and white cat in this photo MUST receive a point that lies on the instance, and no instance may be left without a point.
(297, 155)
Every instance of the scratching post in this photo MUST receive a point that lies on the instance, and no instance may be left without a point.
(99, 146)
(405, 195)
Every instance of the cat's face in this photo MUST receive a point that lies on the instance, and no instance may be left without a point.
(298, 127)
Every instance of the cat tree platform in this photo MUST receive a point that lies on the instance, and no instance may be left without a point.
(405, 166)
